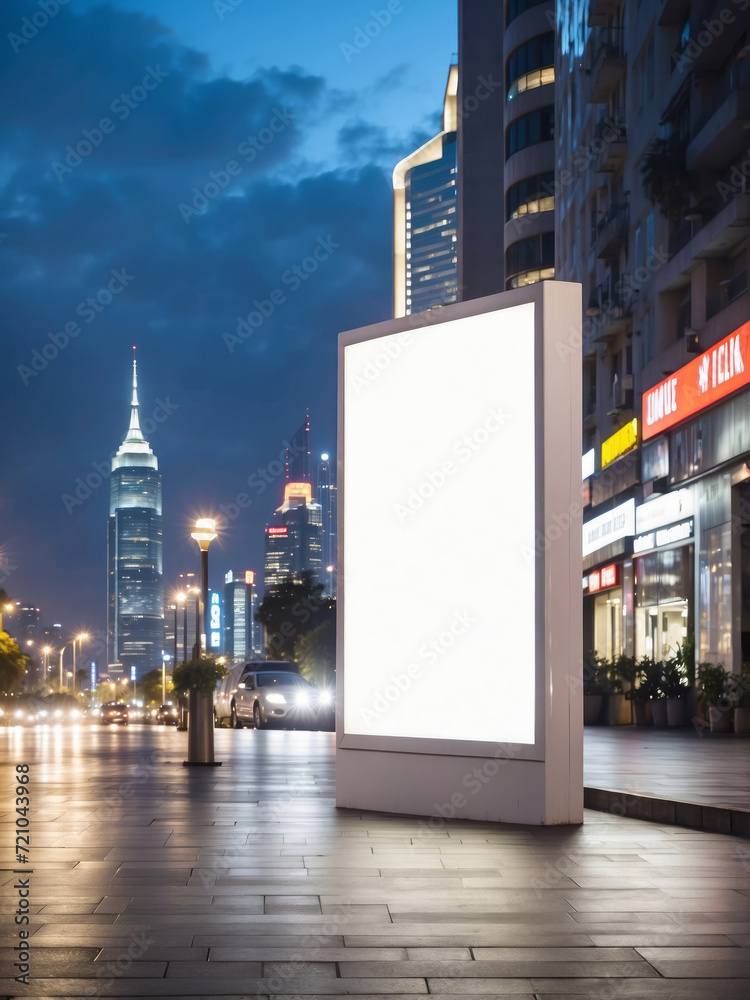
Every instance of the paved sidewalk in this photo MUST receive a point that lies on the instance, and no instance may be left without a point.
(152, 880)
(672, 764)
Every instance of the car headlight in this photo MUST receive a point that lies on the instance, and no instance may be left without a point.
(19, 714)
(325, 697)
(42, 715)
(302, 699)
(276, 699)
(58, 713)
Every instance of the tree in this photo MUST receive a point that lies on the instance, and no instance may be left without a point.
(294, 609)
(315, 654)
(149, 687)
(12, 664)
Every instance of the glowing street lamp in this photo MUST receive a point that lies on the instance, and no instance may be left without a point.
(204, 534)
(201, 716)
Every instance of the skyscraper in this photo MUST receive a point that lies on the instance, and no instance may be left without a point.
(293, 541)
(424, 218)
(241, 632)
(326, 494)
(298, 454)
(135, 600)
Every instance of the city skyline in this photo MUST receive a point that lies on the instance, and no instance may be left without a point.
(219, 416)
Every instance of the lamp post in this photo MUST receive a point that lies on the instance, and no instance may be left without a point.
(201, 716)
(73, 644)
(5, 607)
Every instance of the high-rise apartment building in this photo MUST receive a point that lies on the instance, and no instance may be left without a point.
(326, 495)
(293, 540)
(424, 218)
(653, 218)
(135, 603)
(500, 105)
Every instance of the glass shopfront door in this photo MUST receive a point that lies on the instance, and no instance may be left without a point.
(663, 601)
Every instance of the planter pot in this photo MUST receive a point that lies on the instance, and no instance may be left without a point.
(659, 712)
(676, 712)
(720, 719)
(592, 709)
(642, 713)
(200, 728)
(742, 720)
(618, 710)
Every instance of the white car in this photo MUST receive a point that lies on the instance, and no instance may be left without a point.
(263, 693)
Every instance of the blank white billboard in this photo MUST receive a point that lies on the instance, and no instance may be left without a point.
(439, 532)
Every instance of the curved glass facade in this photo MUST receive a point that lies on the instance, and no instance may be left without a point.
(537, 126)
(516, 7)
(531, 195)
(530, 260)
(531, 65)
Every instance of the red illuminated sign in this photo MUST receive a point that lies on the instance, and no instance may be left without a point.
(719, 371)
(277, 531)
(604, 578)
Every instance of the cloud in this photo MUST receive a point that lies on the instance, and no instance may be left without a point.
(119, 208)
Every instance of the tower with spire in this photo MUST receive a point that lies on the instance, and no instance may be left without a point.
(135, 595)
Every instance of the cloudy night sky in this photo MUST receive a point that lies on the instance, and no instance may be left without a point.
(200, 81)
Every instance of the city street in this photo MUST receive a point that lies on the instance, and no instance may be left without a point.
(151, 879)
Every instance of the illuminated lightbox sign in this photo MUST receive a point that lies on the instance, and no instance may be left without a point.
(93, 674)
(589, 463)
(604, 578)
(215, 620)
(277, 531)
(663, 536)
(666, 509)
(620, 443)
(610, 527)
(716, 373)
(431, 438)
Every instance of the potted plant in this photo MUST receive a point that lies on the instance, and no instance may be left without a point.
(199, 678)
(714, 685)
(625, 672)
(593, 691)
(644, 690)
(675, 688)
(740, 696)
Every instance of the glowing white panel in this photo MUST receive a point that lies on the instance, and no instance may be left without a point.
(439, 627)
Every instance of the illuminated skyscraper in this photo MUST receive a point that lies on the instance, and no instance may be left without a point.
(135, 600)
(293, 541)
(242, 634)
(424, 218)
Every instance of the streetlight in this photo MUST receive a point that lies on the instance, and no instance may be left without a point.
(204, 534)
(73, 644)
(74, 681)
(201, 716)
(78, 638)
(5, 607)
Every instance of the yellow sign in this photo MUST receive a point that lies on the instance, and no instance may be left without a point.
(620, 443)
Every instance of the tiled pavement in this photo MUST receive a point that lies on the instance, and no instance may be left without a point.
(689, 764)
(152, 880)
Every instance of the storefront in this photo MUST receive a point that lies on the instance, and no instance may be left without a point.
(693, 559)
(664, 573)
(608, 582)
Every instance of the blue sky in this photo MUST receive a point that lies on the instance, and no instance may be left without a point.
(116, 146)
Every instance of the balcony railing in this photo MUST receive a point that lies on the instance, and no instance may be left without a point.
(736, 79)
(612, 231)
(725, 294)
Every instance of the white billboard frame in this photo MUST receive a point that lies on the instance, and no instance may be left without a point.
(538, 780)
